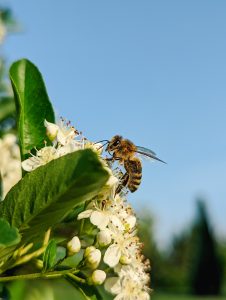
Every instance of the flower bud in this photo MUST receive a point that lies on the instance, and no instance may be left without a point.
(39, 263)
(98, 277)
(89, 250)
(73, 246)
(104, 237)
(51, 130)
(93, 257)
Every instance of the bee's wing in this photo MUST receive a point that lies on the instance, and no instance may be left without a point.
(148, 153)
(145, 150)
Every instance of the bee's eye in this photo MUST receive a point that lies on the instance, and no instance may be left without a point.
(116, 143)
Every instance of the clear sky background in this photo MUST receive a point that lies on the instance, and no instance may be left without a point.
(153, 71)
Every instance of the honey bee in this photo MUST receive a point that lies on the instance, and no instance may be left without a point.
(124, 151)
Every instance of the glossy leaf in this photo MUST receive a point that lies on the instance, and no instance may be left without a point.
(32, 104)
(8, 235)
(46, 195)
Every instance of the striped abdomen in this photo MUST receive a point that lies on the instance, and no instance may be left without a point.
(134, 169)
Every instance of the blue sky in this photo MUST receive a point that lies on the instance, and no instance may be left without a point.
(153, 71)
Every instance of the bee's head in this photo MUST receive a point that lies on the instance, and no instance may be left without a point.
(114, 143)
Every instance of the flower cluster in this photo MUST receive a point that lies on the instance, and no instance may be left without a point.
(9, 162)
(114, 257)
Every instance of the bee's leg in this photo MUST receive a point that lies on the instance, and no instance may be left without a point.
(112, 158)
(123, 183)
(109, 158)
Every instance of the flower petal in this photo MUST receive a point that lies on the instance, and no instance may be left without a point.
(112, 285)
(122, 297)
(85, 214)
(30, 164)
(99, 219)
(112, 255)
(144, 296)
(116, 222)
(131, 221)
(51, 130)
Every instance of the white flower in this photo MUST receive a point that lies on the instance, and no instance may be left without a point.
(73, 246)
(104, 237)
(137, 270)
(124, 245)
(126, 288)
(124, 213)
(64, 134)
(101, 216)
(112, 285)
(51, 130)
(64, 142)
(93, 257)
(112, 184)
(112, 255)
(41, 158)
(98, 277)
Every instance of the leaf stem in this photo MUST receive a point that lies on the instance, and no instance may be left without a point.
(48, 275)
(76, 278)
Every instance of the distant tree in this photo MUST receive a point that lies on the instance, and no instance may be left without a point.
(150, 250)
(205, 274)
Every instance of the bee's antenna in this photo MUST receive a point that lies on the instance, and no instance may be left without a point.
(103, 144)
(102, 141)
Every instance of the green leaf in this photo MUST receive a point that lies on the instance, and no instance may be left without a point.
(4, 292)
(60, 254)
(46, 195)
(49, 255)
(17, 290)
(8, 235)
(74, 260)
(32, 104)
(87, 292)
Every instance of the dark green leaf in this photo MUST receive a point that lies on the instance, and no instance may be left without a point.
(49, 255)
(32, 104)
(46, 195)
(74, 213)
(4, 292)
(8, 235)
